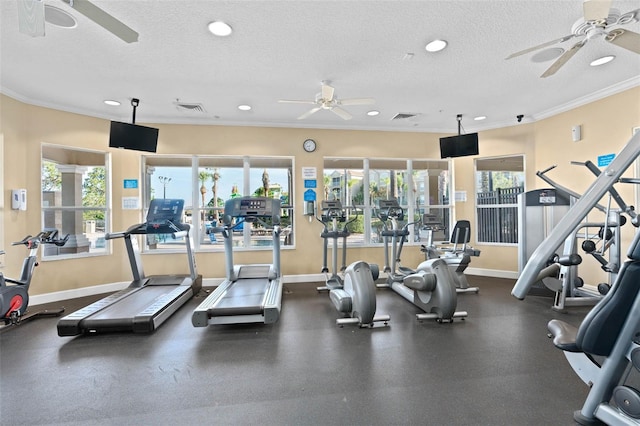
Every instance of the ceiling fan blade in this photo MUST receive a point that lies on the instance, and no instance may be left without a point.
(563, 59)
(327, 92)
(295, 101)
(595, 10)
(31, 17)
(540, 46)
(341, 113)
(357, 101)
(103, 19)
(308, 113)
(625, 39)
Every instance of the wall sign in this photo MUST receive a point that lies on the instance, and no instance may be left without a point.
(605, 160)
(309, 195)
(309, 173)
(131, 184)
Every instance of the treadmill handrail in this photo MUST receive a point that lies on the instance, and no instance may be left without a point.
(181, 230)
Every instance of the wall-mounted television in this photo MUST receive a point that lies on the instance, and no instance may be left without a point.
(133, 136)
(459, 145)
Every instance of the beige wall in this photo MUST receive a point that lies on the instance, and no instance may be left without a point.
(24, 128)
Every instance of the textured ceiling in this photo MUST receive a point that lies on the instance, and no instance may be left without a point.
(284, 49)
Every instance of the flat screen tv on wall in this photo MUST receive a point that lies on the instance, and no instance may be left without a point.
(133, 136)
(459, 145)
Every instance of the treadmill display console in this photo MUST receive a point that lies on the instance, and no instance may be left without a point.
(164, 215)
(252, 207)
(252, 204)
(331, 205)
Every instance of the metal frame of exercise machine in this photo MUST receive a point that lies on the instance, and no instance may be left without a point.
(608, 331)
(431, 286)
(458, 259)
(603, 184)
(251, 293)
(149, 300)
(354, 293)
(14, 292)
(562, 276)
(333, 214)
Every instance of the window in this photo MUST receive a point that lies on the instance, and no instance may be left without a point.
(206, 183)
(421, 187)
(75, 190)
(498, 183)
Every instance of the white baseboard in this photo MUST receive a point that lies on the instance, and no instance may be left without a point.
(57, 296)
(496, 273)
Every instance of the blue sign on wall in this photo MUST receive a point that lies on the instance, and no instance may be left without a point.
(131, 184)
(309, 195)
(310, 183)
(605, 160)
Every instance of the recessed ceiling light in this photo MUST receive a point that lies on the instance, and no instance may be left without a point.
(436, 45)
(112, 102)
(244, 107)
(480, 117)
(602, 61)
(373, 113)
(220, 29)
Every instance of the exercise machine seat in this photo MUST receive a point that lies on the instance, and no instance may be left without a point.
(600, 328)
(461, 233)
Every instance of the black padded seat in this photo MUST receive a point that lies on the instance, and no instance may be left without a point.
(461, 233)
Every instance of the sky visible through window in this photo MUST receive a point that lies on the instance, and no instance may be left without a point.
(180, 185)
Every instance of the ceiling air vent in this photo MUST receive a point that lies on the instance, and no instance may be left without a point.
(187, 107)
(403, 116)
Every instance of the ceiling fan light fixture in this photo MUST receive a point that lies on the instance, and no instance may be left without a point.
(220, 29)
(244, 107)
(436, 45)
(547, 55)
(59, 17)
(373, 113)
(111, 102)
(602, 61)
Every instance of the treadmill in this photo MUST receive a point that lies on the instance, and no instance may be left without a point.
(149, 300)
(250, 293)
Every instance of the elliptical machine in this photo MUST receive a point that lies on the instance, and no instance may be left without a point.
(331, 216)
(431, 287)
(14, 293)
(353, 293)
(457, 257)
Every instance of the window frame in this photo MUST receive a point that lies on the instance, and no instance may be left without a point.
(199, 163)
(514, 205)
(369, 206)
(48, 149)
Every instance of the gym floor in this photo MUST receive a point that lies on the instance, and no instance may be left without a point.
(497, 367)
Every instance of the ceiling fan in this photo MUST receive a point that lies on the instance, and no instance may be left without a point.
(599, 21)
(32, 15)
(326, 100)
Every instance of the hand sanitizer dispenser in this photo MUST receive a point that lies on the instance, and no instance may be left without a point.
(19, 199)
